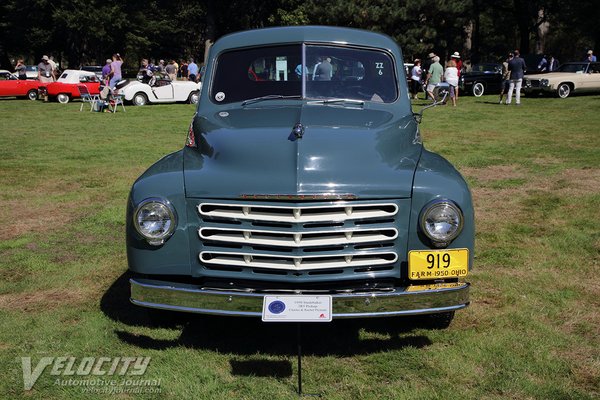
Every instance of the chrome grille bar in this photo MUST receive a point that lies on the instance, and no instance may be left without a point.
(304, 263)
(300, 214)
(297, 239)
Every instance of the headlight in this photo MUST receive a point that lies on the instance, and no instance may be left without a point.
(544, 82)
(155, 220)
(441, 221)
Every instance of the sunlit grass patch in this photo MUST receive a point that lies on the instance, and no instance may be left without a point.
(531, 331)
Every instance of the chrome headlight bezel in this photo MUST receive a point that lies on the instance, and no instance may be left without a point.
(544, 82)
(162, 206)
(441, 206)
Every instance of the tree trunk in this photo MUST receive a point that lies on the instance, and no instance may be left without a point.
(523, 24)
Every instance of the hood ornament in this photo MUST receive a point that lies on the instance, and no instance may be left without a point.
(297, 132)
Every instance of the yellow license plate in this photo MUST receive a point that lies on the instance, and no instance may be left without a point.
(438, 264)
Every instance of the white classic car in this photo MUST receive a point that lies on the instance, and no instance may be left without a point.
(161, 90)
(572, 77)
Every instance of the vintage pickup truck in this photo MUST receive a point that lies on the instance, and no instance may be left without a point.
(303, 173)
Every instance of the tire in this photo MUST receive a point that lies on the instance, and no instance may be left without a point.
(194, 97)
(32, 94)
(140, 99)
(478, 89)
(63, 98)
(564, 90)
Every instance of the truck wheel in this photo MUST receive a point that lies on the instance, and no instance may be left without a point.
(140, 99)
(478, 89)
(32, 94)
(564, 90)
(194, 97)
(63, 98)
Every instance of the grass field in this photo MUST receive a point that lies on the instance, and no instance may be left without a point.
(532, 331)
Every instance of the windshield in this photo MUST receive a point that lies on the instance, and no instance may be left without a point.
(329, 72)
(486, 68)
(581, 68)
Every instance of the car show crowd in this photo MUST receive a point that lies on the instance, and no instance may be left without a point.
(105, 85)
(424, 77)
(504, 78)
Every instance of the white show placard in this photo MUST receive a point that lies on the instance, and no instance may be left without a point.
(297, 308)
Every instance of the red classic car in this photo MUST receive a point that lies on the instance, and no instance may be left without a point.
(11, 86)
(65, 88)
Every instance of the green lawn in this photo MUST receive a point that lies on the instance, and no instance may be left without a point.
(532, 331)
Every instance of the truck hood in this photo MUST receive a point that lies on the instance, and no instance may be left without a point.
(344, 151)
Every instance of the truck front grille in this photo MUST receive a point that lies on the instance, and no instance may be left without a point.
(299, 238)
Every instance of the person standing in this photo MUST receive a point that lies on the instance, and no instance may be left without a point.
(54, 68)
(415, 79)
(459, 65)
(590, 56)
(192, 70)
(505, 77)
(543, 65)
(176, 68)
(324, 70)
(517, 68)
(45, 70)
(451, 77)
(434, 76)
(115, 70)
(21, 69)
(171, 70)
(146, 72)
(425, 65)
(106, 71)
(45, 74)
(552, 63)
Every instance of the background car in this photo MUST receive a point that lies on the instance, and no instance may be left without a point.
(573, 77)
(161, 90)
(65, 88)
(31, 71)
(96, 69)
(11, 86)
(483, 78)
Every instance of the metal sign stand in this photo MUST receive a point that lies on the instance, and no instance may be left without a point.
(299, 342)
(299, 309)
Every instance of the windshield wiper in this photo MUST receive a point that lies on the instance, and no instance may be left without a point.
(337, 101)
(269, 97)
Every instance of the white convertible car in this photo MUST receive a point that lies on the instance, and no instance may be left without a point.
(161, 90)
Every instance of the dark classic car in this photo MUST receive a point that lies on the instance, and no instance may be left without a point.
(11, 86)
(483, 78)
(311, 181)
(572, 77)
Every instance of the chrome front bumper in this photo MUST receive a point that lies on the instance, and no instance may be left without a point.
(424, 299)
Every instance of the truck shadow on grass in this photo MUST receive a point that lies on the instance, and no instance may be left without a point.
(247, 336)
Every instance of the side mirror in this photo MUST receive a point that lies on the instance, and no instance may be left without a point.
(440, 93)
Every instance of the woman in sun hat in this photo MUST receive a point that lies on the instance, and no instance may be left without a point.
(459, 64)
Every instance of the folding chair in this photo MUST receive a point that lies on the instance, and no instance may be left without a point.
(87, 97)
(114, 100)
